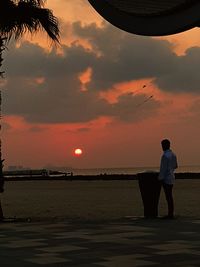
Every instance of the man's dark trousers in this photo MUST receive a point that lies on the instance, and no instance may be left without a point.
(169, 197)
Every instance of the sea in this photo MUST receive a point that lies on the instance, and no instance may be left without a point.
(129, 170)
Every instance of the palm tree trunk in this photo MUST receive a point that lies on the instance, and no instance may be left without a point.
(2, 47)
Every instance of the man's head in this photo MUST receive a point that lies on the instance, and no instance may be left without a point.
(165, 144)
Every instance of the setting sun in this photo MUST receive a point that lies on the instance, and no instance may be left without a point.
(78, 152)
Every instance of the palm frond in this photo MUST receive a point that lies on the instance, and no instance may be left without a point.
(27, 16)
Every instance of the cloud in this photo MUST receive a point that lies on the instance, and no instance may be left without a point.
(183, 76)
(60, 101)
(45, 87)
(128, 57)
(125, 57)
(31, 60)
(36, 129)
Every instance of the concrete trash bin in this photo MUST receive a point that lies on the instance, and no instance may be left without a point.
(150, 188)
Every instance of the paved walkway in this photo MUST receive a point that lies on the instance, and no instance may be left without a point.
(130, 242)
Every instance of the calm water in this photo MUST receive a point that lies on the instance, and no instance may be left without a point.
(96, 171)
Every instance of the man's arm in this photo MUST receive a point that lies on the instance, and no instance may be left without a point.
(163, 168)
(175, 162)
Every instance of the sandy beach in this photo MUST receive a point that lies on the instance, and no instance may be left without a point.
(90, 200)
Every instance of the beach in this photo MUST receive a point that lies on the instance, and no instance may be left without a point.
(90, 200)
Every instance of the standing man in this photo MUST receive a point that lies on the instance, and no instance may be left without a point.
(167, 166)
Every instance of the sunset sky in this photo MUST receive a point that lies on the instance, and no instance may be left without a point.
(110, 93)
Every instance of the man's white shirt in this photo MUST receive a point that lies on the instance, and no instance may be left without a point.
(167, 166)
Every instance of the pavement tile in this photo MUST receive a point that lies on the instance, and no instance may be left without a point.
(47, 260)
(63, 248)
(128, 243)
(128, 261)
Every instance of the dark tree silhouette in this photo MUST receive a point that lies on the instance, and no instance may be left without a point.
(18, 17)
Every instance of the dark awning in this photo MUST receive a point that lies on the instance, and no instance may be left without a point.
(150, 17)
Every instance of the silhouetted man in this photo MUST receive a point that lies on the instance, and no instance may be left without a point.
(167, 166)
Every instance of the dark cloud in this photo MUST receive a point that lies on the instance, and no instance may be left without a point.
(36, 129)
(55, 102)
(184, 76)
(30, 60)
(116, 57)
(127, 57)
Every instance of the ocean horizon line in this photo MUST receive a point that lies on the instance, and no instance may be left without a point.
(112, 170)
(129, 170)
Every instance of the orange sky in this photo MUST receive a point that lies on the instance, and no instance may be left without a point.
(122, 136)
